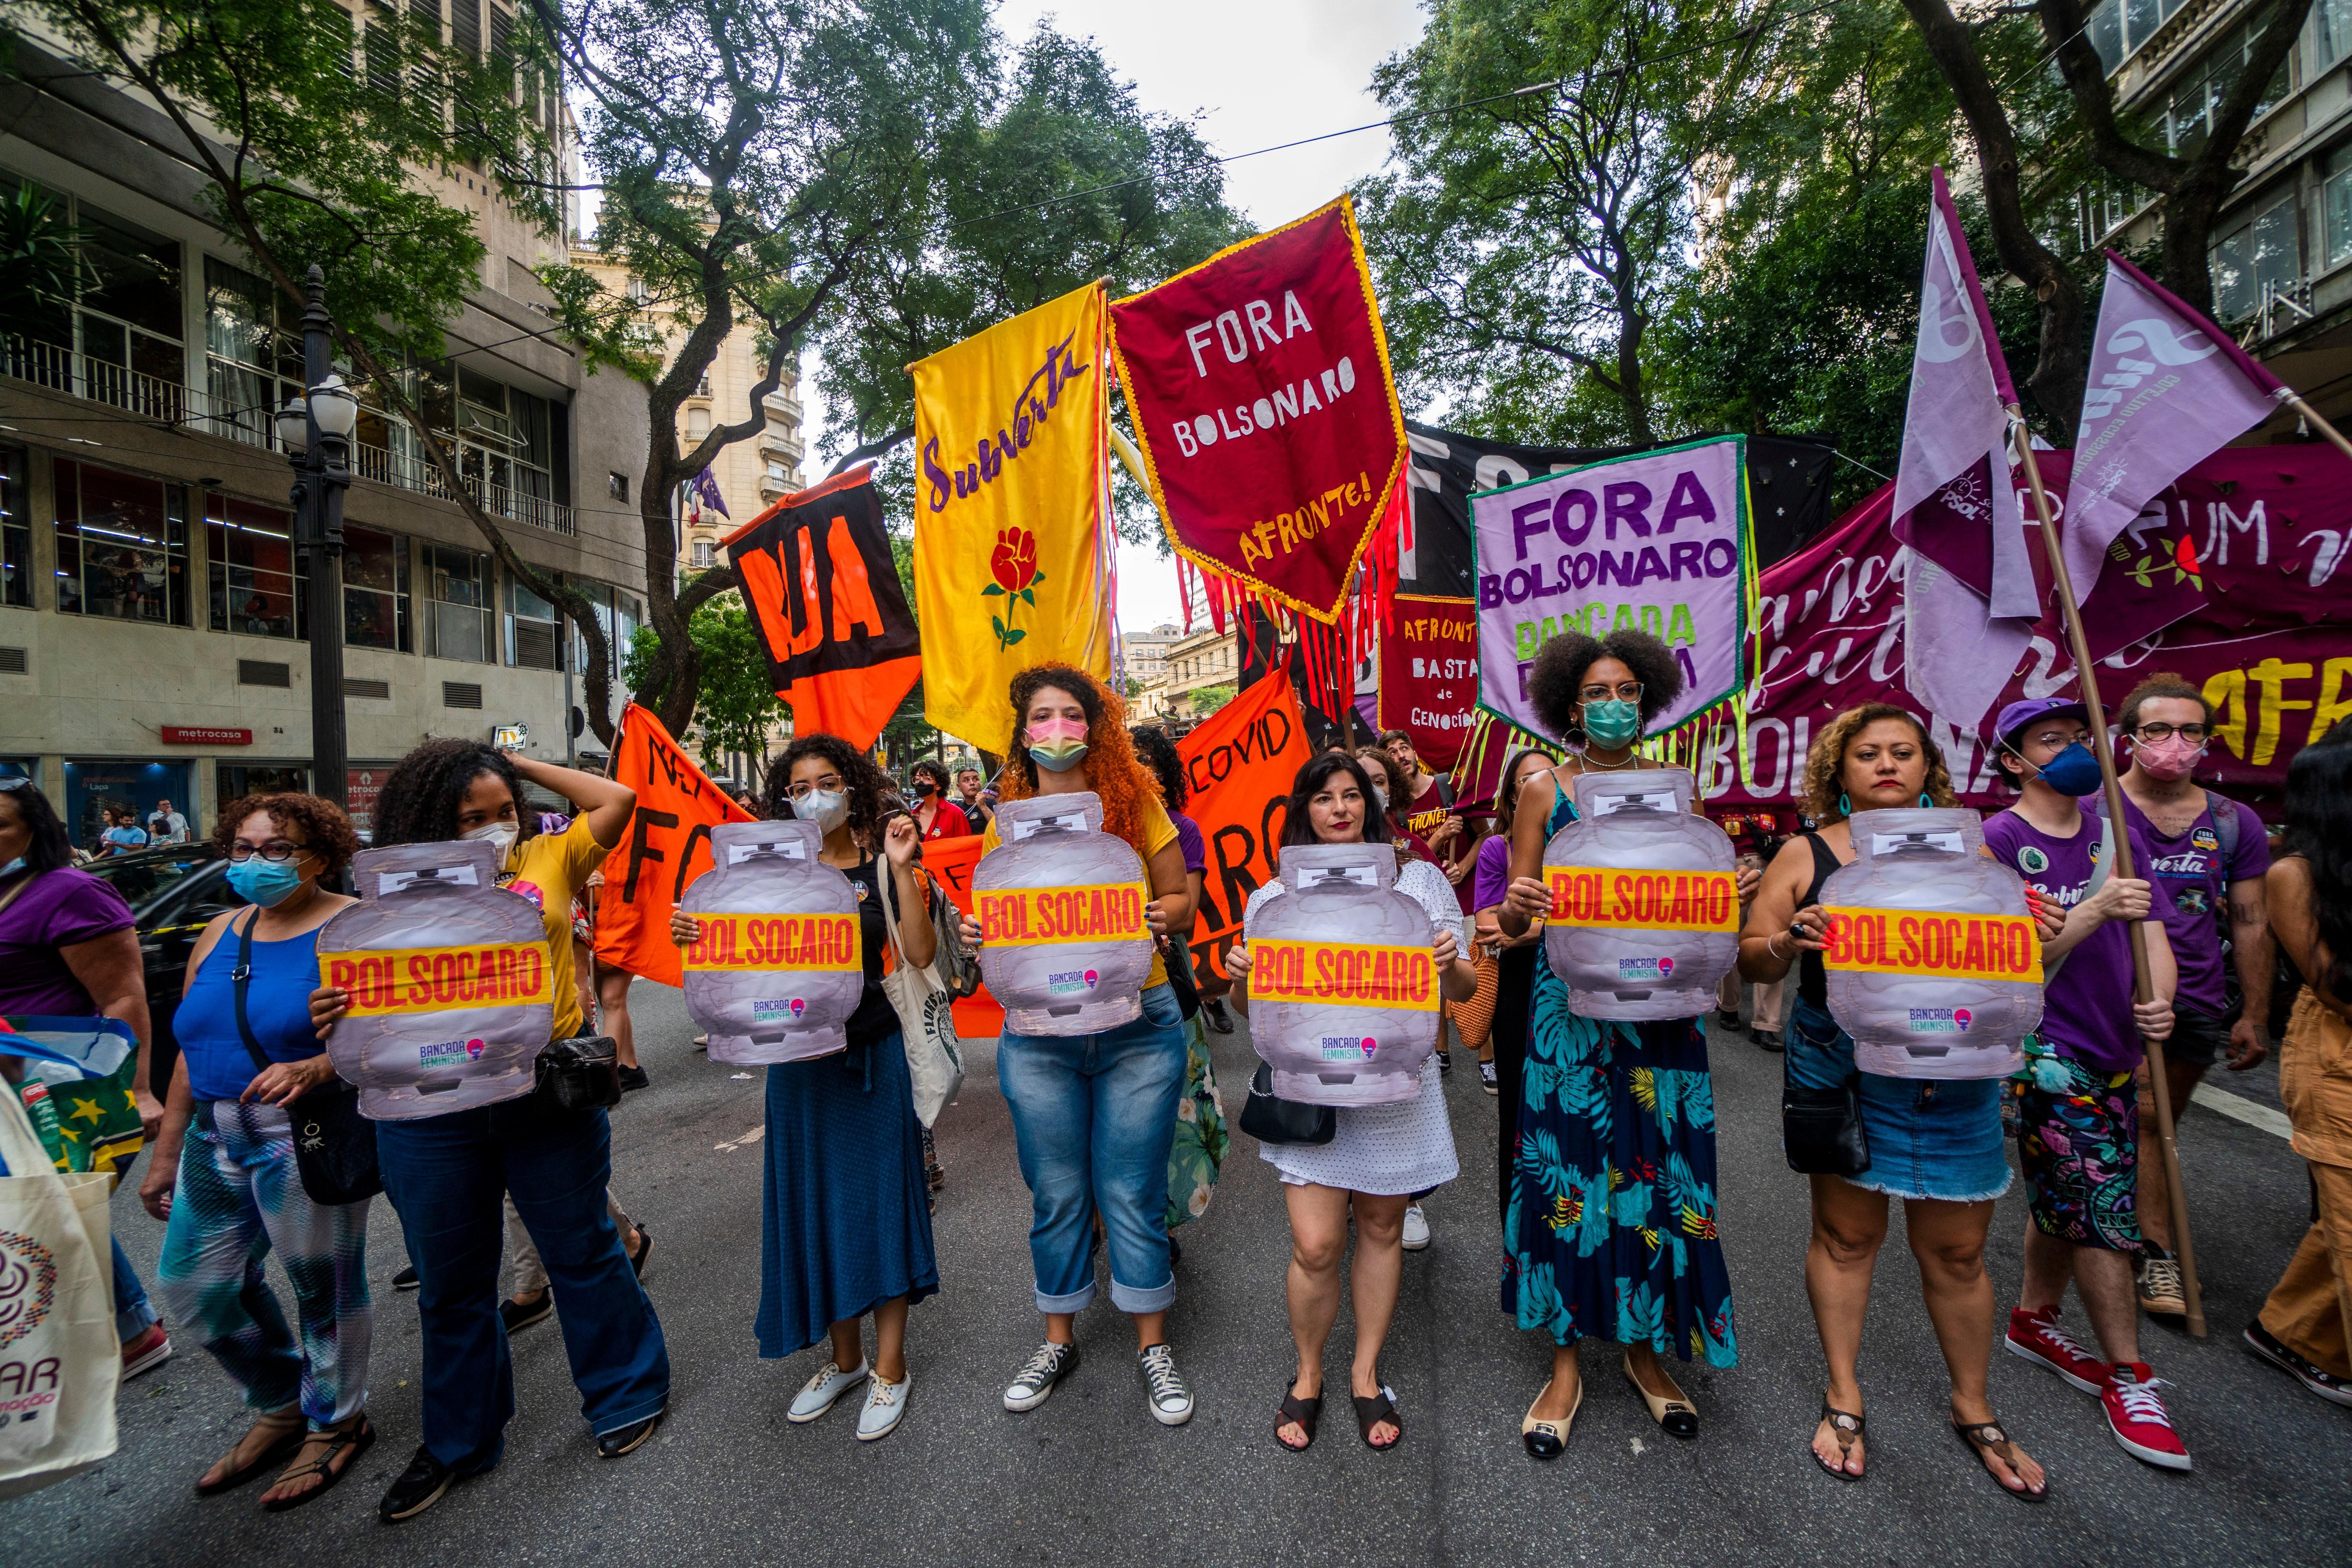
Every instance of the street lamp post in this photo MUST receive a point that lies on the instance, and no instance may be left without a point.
(316, 431)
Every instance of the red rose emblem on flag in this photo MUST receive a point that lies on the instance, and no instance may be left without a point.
(1014, 564)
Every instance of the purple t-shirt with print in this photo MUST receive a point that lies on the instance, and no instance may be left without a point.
(2088, 1007)
(2193, 888)
(1493, 877)
(58, 910)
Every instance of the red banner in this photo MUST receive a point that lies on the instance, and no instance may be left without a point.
(2254, 537)
(1259, 386)
(1429, 674)
(668, 845)
(1238, 768)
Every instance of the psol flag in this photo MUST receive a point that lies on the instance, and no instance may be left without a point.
(840, 644)
(1259, 386)
(1010, 443)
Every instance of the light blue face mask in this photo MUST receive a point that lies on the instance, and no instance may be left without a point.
(12, 868)
(265, 882)
(1612, 722)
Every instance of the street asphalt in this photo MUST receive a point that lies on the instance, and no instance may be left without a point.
(1090, 1478)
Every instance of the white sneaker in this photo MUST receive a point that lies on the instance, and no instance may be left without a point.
(886, 1407)
(821, 1393)
(1033, 1385)
(1416, 1228)
(1171, 1402)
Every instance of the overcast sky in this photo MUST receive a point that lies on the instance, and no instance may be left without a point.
(1259, 72)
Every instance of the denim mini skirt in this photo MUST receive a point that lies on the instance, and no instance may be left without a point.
(1929, 1138)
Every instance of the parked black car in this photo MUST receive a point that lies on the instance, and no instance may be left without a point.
(172, 892)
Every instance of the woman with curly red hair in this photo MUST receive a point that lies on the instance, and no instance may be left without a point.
(1094, 1116)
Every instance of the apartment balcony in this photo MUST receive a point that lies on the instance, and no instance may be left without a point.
(142, 396)
(786, 444)
(785, 404)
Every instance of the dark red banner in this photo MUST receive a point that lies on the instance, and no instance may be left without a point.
(1429, 675)
(1258, 382)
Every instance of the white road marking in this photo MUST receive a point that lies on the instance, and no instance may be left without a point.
(754, 1136)
(2238, 1107)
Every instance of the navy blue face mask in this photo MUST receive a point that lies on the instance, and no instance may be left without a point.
(2075, 771)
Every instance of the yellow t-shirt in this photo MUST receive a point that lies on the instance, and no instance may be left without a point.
(550, 870)
(1159, 833)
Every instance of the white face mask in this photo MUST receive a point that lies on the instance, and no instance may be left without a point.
(498, 836)
(1380, 795)
(828, 808)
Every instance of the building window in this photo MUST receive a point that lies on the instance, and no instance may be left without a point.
(2260, 250)
(258, 587)
(122, 545)
(120, 339)
(375, 589)
(2335, 32)
(2188, 110)
(698, 424)
(533, 641)
(702, 557)
(2336, 199)
(616, 486)
(503, 436)
(457, 598)
(618, 616)
(253, 353)
(16, 532)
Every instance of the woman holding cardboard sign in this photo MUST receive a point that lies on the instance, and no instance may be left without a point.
(1379, 1156)
(847, 1226)
(444, 1173)
(1611, 1229)
(1094, 1116)
(1935, 1144)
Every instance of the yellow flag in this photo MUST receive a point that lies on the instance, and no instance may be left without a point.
(1010, 437)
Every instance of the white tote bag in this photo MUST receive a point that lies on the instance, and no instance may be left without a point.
(59, 1362)
(926, 1017)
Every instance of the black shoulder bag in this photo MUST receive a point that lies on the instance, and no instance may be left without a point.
(1273, 1121)
(334, 1145)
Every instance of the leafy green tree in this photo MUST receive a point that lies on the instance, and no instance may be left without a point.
(735, 708)
(1207, 700)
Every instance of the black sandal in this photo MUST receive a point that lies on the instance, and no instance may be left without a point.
(1984, 1438)
(1848, 1428)
(285, 1445)
(1305, 1412)
(359, 1439)
(1372, 1412)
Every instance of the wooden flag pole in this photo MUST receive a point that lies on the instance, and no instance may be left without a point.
(2061, 584)
(2294, 400)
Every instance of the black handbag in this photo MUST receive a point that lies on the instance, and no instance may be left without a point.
(334, 1145)
(1178, 958)
(1273, 1121)
(1821, 1129)
(579, 1073)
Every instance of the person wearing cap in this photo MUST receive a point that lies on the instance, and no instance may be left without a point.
(2078, 1108)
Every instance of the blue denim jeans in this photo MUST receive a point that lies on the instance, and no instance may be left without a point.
(1094, 1117)
(133, 1313)
(444, 1175)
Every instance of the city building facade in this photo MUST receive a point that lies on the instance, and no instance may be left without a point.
(1199, 662)
(153, 624)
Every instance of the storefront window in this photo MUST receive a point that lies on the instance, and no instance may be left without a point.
(375, 589)
(257, 586)
(122, 545)
(458, 587)
(16, 532)
(94, 785)
(235, 780)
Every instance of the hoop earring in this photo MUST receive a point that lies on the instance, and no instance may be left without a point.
(1926, 801)
(1845, 804)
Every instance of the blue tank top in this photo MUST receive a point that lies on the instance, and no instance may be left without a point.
(276, 1004)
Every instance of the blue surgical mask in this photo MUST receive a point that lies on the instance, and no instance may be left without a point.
(1612, 723)
(265, 882)
(2075, 771)
(12, 867)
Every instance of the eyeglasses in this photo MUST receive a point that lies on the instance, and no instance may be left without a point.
(2155, 735)
(804, 790)
(276, 849)
(2059, 739)
(1624, 691)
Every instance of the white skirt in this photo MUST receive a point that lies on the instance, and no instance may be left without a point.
(1384, 1150)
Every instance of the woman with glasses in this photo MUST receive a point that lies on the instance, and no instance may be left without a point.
(847, 1226)
(446, 1174)
(2210, 860)
(1611, 1232)
(224, 1179)
(1094, 1115)
(70, 948)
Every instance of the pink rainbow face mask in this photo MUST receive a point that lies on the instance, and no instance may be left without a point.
(1058, 744)
(2169, 759)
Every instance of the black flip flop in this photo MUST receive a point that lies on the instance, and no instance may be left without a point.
(1371, 1413)
(1982, 1437)
(1306, 1412)
(1843, 1423)
(278, 1450)
(359, 1439)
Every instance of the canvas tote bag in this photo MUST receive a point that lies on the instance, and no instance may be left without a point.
(59, 1362)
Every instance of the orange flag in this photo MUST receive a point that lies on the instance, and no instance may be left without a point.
(669, 845)
(1238, 768)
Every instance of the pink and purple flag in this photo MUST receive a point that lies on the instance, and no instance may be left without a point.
(2167, 388)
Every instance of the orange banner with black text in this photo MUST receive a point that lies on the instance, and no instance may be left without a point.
(668, 845)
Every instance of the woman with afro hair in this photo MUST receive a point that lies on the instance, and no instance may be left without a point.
(1609, 1230)
(1094, 1116)
(847, 1226)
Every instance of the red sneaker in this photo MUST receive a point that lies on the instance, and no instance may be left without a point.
(2136, 1415)
(146, 1351)
(2037, 1337)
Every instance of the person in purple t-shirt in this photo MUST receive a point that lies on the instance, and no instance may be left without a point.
(2078, 1113)
(2209, 863)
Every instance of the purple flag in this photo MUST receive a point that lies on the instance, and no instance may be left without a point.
(707, 489)
(1956, 452)
(2167, 389)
